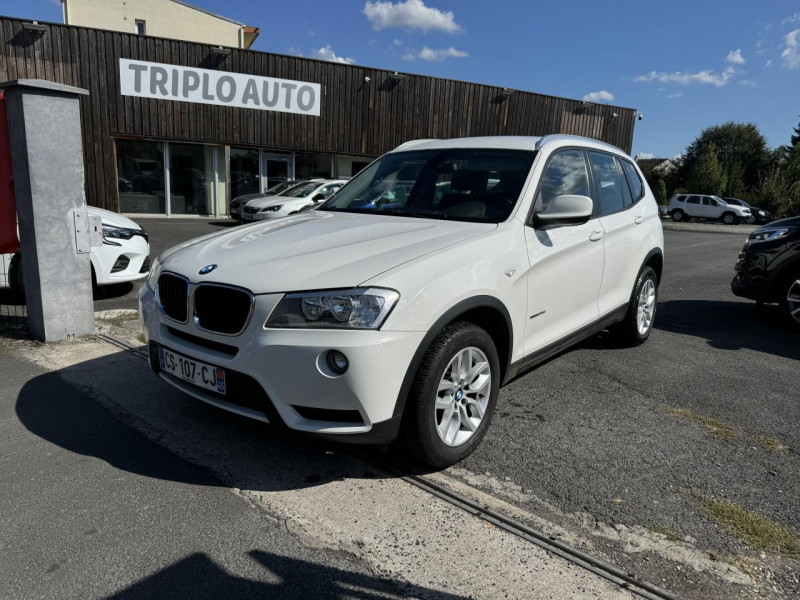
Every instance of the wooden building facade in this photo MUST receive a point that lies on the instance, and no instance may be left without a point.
(151, 155)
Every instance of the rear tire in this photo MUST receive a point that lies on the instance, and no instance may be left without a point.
(444, 422)
(635, 328)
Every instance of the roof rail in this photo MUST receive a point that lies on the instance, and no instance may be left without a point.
(411, 143)
(563, 137)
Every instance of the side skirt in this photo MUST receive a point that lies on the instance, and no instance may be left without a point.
(542, 355)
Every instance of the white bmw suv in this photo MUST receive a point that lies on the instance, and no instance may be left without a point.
(389, 313)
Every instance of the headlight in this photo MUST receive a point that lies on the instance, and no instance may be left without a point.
(766, 235)
(359, 308)
(117, 233)
(152, 278)
(272, 208)
(762, 213)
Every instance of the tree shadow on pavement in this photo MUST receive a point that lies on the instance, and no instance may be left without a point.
(730, 325)
(198, 577)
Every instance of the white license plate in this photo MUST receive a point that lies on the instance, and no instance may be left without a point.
(202, 375)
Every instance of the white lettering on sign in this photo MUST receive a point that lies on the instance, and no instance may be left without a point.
(204, 86)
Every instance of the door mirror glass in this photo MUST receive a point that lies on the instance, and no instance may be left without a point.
(566, 210)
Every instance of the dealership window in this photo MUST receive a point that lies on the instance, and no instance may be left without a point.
(309, 165)
(140, 176)
(192, 179)
(244, 172)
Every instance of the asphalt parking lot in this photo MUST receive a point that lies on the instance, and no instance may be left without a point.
(619, 444)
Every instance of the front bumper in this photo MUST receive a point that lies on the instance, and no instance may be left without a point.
(263, 216)
(280, 376)
(751, 277)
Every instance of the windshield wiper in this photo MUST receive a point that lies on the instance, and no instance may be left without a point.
(414, 213)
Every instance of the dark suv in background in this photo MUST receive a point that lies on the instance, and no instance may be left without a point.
(768, 268)
(759, 215)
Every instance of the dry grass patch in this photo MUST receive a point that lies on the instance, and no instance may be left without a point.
(118, 319)
(750, 527)
(142, 340)
(772, 443)
(716, 427)
(672, 535)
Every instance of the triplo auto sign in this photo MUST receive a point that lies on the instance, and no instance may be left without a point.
(189, 84)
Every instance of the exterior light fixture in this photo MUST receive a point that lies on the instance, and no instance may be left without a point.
(614, 115)
(506, 92)
(397, 76)
(34, 26)
(639, 116)
(219, 50)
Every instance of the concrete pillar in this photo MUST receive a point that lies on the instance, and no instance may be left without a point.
(44, 125)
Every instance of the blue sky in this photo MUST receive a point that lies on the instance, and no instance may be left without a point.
(684, 65)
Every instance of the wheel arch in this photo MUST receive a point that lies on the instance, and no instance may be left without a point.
(654, 260)
(487, 312)
(779, 275)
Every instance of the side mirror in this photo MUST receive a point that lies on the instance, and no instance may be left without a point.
(566, 210)
(318, 197)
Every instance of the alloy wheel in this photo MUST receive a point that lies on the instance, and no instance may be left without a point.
(793, 300)
(463, 396)
(646, 307)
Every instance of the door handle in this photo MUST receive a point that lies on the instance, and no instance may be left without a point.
(595, 236)
(639, 219)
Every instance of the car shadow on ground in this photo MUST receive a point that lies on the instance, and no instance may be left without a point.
(225, 223)
(115, 290)
(84, 409)
(198, 577)
(730, 325)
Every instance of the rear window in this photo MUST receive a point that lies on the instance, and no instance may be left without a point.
(637, 189)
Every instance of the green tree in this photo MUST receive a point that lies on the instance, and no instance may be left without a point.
(779, 193)
(734, 180)
(796, 136)
(734, 142)
(706, 175)
(661, 192)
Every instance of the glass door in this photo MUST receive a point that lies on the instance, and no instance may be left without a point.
(275, 169)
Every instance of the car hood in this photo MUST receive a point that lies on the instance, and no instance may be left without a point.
(273, 200)
(247, 197)
(314, 250)
(112, 218)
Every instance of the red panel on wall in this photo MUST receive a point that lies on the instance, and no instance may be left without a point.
(8, 207)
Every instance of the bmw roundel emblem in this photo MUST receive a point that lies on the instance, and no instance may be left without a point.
(459, 394)
(206, 270)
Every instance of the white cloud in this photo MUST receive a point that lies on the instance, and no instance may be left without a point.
(409, 56)
(791, 19)
(327, 53)
(673, 95)
(748, 83)
(735, 57)
(791, 52)
(438, 55)
(397, 42)
(601, 96)
(707, 76)
(768, 63)
(409, 15)
(645, 156)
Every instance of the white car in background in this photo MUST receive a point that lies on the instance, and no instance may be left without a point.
(366, 320)
(124, 255)
(683, 207)
(237, 204)
(291, 200)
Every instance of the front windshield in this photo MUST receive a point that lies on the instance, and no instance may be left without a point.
(463, 184)
(302, 190)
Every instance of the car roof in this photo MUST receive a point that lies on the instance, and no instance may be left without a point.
(508, 142)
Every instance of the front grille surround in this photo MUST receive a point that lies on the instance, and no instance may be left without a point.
(244, 303)
(172, 296)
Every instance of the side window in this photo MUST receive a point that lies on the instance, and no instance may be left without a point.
(607, 183)
(565, 174)
(681, 198)
(693, 200)
(637, 189)
(627, 198)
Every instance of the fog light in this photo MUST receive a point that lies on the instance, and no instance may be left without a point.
(337, 362)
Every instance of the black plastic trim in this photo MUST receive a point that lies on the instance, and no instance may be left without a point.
(383, 432)
(651, 254)
(448, 317)
(538, 357)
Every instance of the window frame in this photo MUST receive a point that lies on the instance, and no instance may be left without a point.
(596, 208)
(635, 170)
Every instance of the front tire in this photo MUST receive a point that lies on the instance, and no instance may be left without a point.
(678, 216)
(790, 300)
(729, 219)
(635, 328)
(452, 399)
